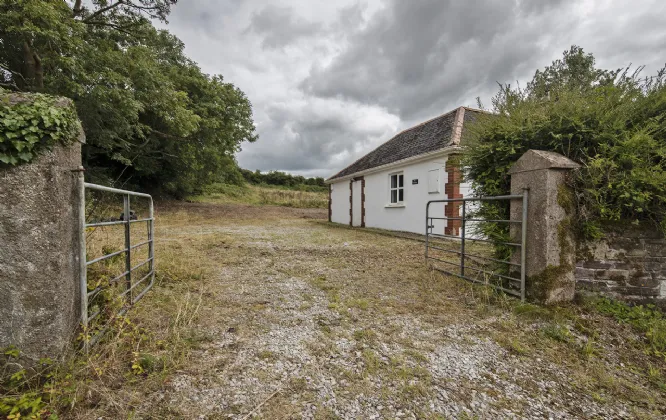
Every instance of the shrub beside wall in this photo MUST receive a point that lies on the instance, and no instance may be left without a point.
(611, 122)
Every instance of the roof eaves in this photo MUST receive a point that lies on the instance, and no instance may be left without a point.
(396, 135)
(447, 150)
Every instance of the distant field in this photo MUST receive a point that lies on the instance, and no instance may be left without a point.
(263, 195)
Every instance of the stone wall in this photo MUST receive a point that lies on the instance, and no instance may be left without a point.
(39, 248)
(629, 262)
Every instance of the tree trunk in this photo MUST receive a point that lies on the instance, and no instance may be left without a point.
(77, 8)
(32, 72)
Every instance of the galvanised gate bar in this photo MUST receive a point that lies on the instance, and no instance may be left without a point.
(478, 266)
(133, 289)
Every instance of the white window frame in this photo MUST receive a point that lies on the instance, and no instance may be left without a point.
(434, 189)
(397, 188)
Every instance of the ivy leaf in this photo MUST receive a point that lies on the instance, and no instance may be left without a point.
(25, 156)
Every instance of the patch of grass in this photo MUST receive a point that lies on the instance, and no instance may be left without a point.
(598, 397)
(647, 319)
(414, 390)
(514, 346)
(266, 355)
(656, 378)
(262, 196)
(531, 311)
(588, 349)
(365, 335)
(557, 332)
(416, 355)
(359, 303)
(298, 384)
(371, 361)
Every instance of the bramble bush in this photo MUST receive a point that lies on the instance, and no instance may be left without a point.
(612, 122)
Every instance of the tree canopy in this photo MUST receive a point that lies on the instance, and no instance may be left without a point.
(152, 118)
(283, 179)
(612, 122)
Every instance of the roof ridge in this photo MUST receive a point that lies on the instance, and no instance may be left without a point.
(405, 136)
(425, 122)
(469, 108)
(396, 135)
(458, 126)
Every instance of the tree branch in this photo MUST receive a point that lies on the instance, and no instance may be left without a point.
(118, 28)
(103, 10)
(11, 85)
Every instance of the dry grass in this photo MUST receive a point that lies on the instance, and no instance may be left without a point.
(263, 311)
(263, 196)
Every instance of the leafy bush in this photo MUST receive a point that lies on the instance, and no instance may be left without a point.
(611, 122)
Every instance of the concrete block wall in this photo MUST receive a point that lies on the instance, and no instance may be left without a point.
(628, 262)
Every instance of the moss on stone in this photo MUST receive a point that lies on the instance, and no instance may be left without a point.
(552, 277)
(566, 200)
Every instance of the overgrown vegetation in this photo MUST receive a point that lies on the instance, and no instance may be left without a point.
(33, 124)
(648, 319)
(612, 122)
(152, 118)
(138, 354)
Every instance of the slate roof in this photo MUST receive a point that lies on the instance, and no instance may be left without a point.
(426, 137)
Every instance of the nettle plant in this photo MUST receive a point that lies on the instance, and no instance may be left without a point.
(36, 124)
(612, 122)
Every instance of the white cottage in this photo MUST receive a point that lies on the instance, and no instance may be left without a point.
(389, 187)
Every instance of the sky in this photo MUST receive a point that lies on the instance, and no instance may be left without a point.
(331, 80)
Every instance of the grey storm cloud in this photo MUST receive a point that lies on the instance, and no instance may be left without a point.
(420, 60)
(280, 26)
(329, 81)
(313, 139)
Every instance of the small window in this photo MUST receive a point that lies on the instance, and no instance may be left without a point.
(397, 188)
(433, 181)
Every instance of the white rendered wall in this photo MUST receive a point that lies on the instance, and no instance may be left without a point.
(411, 216)
(340, 202)
(357, 209)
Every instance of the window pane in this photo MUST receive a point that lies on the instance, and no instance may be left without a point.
(401, 195)
(394, 181)
(394, 196)
(400, 179)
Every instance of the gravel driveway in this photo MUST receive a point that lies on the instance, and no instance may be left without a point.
(303, 319)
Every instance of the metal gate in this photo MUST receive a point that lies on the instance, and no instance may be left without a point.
(125, 289)
(480, 265)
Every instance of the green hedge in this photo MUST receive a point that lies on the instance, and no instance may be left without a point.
(611, 122)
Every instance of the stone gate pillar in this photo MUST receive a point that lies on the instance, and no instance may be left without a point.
(550, 264)
(39, 251)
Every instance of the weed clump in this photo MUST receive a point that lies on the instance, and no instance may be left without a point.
(647, 319)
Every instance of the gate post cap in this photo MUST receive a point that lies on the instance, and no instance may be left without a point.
(534, 160)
